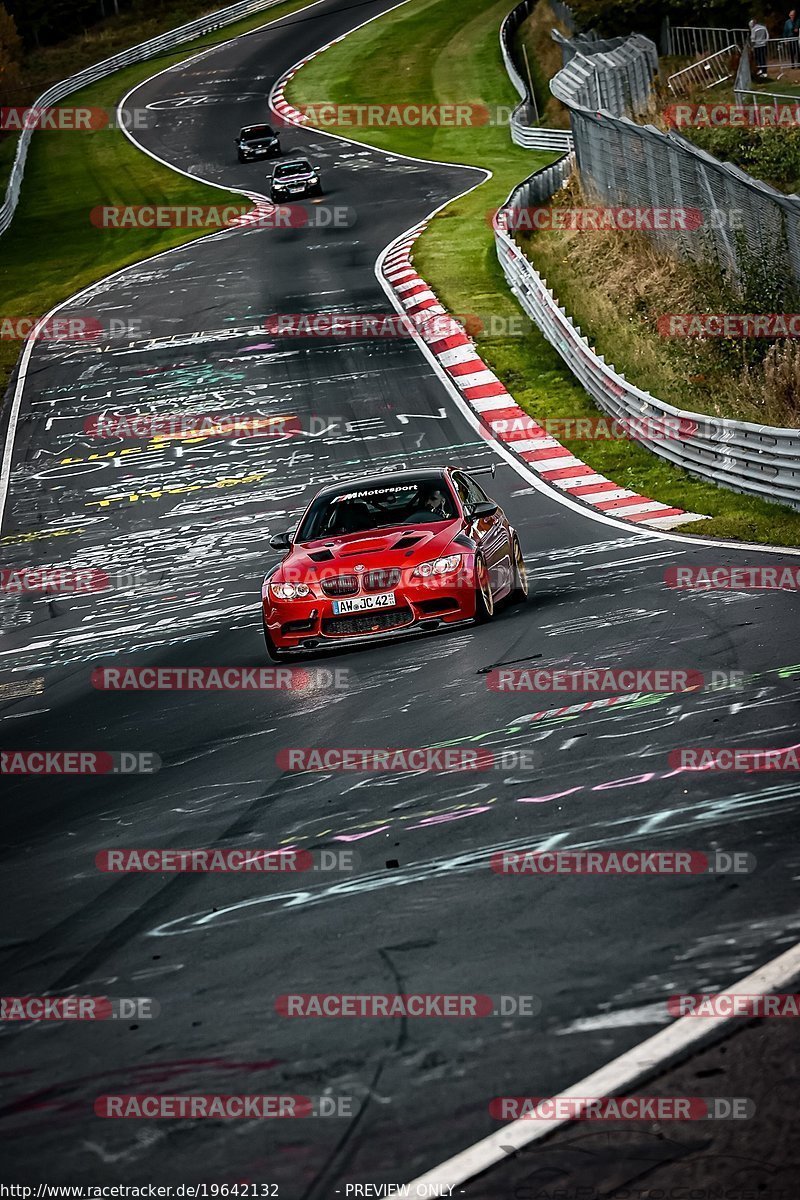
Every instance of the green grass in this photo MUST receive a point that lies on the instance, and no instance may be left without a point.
(432, 51)
(52, 249)
(41, 68)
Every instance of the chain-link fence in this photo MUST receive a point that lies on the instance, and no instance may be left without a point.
(743, 225)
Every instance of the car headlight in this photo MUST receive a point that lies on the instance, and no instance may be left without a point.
(439, 566)
(290, 591)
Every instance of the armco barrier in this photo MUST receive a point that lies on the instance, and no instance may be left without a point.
(140, 53)
(524, 129)
(757, 459)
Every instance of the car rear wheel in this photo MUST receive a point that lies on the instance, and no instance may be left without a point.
(519, 590)
(484, 599)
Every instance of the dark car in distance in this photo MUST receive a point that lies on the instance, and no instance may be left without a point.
(296, 178)
(257, 141)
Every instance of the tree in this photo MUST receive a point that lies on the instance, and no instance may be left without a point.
(613, 18)
(10, 58)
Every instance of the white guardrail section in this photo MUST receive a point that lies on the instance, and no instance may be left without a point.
(148, 49)
(760, 460)
(757, 459)
(525, 131)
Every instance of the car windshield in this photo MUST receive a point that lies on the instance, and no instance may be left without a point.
(254, 132)
(372, 506)
(291, 168)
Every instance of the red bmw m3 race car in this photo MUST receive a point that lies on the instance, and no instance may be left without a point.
(384, 555)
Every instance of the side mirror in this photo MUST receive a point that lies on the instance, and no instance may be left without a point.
(280, 541)
(486, 508)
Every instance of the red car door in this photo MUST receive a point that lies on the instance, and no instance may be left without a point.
(490, 532)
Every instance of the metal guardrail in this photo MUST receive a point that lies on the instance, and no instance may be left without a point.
(756, 98)
(685, 41)
(618, 80)
(744, 77)
(759, 460)
(525, 129)
(706, 73)
(140, 53)
(755, 459)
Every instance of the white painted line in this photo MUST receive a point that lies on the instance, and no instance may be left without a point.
(645, 506)
(553, 464)
(671, 522)
(459, 354)
(416, 301)
(621, 1073)
(493, 404)
(593, 497)
(477, 378)
(520, 444)
(585, 480)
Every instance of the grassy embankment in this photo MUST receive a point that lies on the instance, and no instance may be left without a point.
(433, 53)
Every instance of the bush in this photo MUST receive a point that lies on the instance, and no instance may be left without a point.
(770, 154)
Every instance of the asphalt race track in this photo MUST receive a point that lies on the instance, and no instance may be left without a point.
(422, 912)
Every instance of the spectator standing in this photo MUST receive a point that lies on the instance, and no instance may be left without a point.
(759, 36)
(791, 30)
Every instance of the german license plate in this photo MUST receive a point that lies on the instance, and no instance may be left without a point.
(360, 603)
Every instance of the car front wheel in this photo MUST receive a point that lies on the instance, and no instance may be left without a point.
(484, 599)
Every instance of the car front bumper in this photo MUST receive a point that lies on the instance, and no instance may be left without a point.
(292, 624)
(305, 190)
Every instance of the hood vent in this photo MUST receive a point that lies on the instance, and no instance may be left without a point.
(321, 556)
